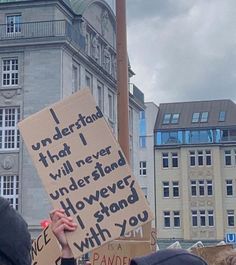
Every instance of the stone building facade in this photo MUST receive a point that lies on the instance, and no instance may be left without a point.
(49, 50)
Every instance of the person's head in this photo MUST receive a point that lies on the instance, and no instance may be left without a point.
(169, 257)
(15, 242)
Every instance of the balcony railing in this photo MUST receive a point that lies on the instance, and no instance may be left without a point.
(41, 29)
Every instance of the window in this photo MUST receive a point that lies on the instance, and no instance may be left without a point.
(222, 115)
(176, 219)
(10, 72)
(75, 78)
(194, 218)
(235, 156)
(200, 158)
(9, 134)
(111, 105)
(208, 157)
(170, 137)
(193, 188)
(210, 214)
(142, 141)
(174, 159)
(13, 23)
(89, 81)
(142, 115)
(229, 187)
(201, 187)
(175, 188)
(175, 118)
(143, 168)
(166, 218)
(131, 121)
(166, 189)
(165, 158)
(192, 158)
(100, 91)
(9, 189)
(228, 161)
(209, 188)
(230, 217)
(204, 117)
(202, 217)
(166, 119)
(195, 117)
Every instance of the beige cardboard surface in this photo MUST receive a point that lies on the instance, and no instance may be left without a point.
(45, 249)
(84, 171)
(119, 252)
(209, 254)
(142, 233)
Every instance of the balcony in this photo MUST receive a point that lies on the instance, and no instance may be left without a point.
(57, 30)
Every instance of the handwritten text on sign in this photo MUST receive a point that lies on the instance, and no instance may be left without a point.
(84, 171)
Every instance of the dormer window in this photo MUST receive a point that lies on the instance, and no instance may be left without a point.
(172, 118)
(166, 119)
(222, 115)
(175, 118)
(200, 117)
(195, 117)
(204, 116)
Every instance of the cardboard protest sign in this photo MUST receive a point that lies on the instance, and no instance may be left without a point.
(45, 249)
(119, 252)
(209, 254)
(84, 171)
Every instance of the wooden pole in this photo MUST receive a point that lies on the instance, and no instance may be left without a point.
(122, 77)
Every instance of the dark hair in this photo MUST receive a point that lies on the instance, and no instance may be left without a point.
(4, 260)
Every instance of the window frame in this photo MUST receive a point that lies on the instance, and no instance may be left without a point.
(175, 188)
(165, 160)
(15, 25)
(192, 158)
(166, 118)
(195, 117)
(9, 132)
(10, 77)
(210, 217)
(227, 158)
(229, 185)
(166, 189)
(142, 168)
(204, 116)
(175, 159)
(111, 106)
(176, 216)
(193, 186)
(166, 216)
(9, 189)
(230, 214)
(209, 187)
(194, 218)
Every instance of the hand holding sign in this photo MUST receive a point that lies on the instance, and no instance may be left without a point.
(60, 224)
(84, 171)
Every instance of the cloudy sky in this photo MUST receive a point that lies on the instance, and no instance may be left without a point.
(183, 50)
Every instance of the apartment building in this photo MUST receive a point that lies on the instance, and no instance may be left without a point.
(48, 50)
(195, 170)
